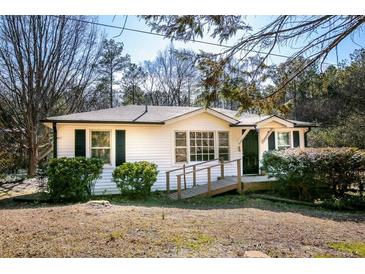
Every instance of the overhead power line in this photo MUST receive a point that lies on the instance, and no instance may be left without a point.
(163, 36)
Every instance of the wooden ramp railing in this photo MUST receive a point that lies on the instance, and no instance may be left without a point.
(194, 171)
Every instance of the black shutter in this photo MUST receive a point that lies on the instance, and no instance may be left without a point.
(296, 141)
(80, 142)
(272, 141)
(119, 147)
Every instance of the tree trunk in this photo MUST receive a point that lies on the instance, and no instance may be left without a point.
(32, 154)
(111, 88)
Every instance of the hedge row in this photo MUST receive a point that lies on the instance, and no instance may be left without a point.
(316, 173)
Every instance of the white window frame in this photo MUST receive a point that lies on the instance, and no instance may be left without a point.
(110, 144)
(277, 138)
(187, 146)
(229, 144)
(216, 144)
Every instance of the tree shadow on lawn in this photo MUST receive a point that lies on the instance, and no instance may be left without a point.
(223, 201)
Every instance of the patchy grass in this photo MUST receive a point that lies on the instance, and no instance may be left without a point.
(115, 235)
(353, 248)
(194, 241)
(220, 226)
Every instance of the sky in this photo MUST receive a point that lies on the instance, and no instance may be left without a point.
(143, 47)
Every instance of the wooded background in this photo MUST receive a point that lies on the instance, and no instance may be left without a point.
(54, 65)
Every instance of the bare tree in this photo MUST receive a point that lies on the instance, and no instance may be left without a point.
(312, 37)
(172, 76)
(46, 66)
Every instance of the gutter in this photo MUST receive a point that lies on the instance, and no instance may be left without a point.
(99, 122)
(305, 137)
(54, 127)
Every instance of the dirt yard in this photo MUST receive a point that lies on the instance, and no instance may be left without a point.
(96, 230)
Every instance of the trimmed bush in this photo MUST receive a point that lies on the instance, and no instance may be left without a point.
(316, 173)
(71, 179)
(135, 178)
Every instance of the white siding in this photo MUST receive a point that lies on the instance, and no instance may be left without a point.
(154, 143)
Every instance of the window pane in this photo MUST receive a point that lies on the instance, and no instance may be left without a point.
(180, 134)
(223, 145)
(223, 142)
(100, 139)
(283, 139)
(202, 146)
(223, 135)
(224, 156)
(223, 150)
(180, 142)
(101, 153)
(181, 155)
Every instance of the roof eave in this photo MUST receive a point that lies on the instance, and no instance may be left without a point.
(241, 125)
(99, 122)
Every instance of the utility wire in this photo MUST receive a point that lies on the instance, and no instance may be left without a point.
(123, 28)
(161, 35)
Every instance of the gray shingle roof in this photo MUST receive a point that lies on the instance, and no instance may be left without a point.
(154, 115)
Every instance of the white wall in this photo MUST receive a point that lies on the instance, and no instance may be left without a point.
(155, 143)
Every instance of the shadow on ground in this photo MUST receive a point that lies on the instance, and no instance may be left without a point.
(224, 201)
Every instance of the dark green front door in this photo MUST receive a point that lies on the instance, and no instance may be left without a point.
(250, 153)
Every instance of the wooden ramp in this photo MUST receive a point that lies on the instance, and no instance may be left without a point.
(221, 186)
(217, 187)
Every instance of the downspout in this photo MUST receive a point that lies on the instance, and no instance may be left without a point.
(305, 137)
(54, 126)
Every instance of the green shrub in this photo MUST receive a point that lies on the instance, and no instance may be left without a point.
(348, 202)
(135, 178)
(7, 163)
(316, 173)
(71, 179)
